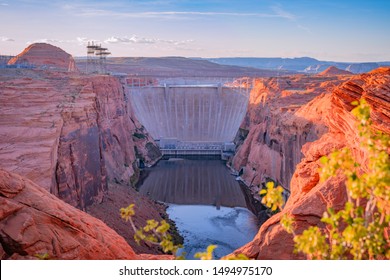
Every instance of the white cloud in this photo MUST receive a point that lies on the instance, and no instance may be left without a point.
(6, 39)
(68, 7)
(84, 41)
(195, 13)
(78, 40)
(177, 43)
(140, 40)
(278, 13)
(304, 28)
(49, 41)
(4, 4)
(134, 39)
(278, 10)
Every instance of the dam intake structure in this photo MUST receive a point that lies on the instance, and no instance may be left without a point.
(186, 116)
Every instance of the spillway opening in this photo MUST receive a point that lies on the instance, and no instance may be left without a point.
(204, 200)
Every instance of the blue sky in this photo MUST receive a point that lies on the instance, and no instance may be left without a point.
(328, 30)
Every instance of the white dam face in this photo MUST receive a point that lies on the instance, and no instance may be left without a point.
(199, 113)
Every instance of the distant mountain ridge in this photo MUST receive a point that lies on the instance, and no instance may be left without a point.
(299, 64)
(179, 67)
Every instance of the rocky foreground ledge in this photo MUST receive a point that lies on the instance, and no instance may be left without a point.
(34, 223)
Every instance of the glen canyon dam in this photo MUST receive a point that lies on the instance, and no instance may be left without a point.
(185, 116)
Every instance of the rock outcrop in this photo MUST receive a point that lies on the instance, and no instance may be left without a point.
(45, 56)
(34, 223)
(334, 71)
(70, 134)
(310, 198)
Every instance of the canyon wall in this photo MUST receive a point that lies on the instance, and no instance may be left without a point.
(71, 134)
(97, 143)
(310, 198)
(284, 113)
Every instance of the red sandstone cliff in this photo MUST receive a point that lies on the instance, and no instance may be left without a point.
(70, 134)
(45, 56)
(284, 113)
(309, 199)
(34, 222)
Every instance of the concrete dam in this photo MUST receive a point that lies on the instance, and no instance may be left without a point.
(190, 117)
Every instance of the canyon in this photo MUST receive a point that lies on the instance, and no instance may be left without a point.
(70, 145)
(318, 127)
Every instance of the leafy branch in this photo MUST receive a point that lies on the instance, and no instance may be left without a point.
(153, 233)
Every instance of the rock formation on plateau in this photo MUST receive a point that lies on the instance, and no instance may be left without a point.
(309, 198)
(334, 71)
(45, 56)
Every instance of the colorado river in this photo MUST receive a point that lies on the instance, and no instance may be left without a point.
(205, 201)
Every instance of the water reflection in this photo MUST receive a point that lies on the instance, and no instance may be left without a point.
(201, 225)
(193, 188)
(184, 181)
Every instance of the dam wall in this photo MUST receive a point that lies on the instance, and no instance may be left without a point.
(190, 113)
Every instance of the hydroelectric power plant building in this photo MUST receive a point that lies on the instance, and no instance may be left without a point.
(190, 117)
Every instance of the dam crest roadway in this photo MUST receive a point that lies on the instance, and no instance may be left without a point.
(186, 116)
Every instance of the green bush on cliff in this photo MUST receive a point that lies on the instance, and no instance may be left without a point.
(272, 197)
(154, 233)
(359, 230)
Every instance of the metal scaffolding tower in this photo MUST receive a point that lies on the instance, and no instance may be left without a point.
(102, 54)
(96, 58)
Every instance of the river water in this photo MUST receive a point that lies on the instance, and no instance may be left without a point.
(205, 201)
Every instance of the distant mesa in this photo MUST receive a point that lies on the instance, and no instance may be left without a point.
(381, 70)
(334, 71)
(45, 56)
(299, 64)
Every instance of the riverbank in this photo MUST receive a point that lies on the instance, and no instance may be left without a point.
(252, 197)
